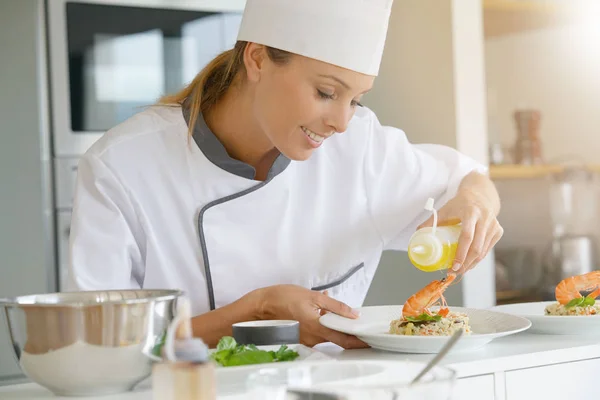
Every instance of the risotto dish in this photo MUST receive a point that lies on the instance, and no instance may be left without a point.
(569, 300)
(563, 310)
(435, 326)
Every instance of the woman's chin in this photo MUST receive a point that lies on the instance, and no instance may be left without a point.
(299, 154)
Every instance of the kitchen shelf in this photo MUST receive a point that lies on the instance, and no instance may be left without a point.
(529, 171)
(504, 17)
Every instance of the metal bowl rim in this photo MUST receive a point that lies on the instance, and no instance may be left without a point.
(162, 294)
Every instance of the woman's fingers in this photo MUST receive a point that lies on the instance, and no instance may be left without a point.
(341, 339)
(495, 237)
(322, 311)
(337, 307)
(464, 243)
(478, 245)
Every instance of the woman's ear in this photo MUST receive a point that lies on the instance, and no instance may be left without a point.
(254, 60)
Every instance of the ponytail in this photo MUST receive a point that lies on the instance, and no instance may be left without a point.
(213, 81)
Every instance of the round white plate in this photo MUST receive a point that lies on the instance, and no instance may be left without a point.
(373, 324)
(553, 324)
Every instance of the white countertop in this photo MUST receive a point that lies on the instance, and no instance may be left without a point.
(507, 353)
(518, 351)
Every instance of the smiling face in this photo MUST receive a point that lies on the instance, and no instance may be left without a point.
(300, 104)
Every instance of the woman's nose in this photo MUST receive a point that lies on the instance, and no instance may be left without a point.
(339, 117)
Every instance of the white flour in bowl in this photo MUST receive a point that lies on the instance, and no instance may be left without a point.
(82, 366)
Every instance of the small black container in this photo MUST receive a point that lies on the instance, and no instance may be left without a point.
(267, 332)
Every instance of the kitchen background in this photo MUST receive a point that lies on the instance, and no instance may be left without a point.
(454, 72)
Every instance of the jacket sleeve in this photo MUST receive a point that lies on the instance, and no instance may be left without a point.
(104, 243)
(400, 177)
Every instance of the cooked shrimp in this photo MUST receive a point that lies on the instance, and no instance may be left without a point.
(568, 289)
(418, 303)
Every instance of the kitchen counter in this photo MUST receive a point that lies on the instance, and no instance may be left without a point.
(516, 367)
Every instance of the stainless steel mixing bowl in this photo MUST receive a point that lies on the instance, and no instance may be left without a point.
(89, 343)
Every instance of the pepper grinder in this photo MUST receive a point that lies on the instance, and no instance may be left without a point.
(186, 371)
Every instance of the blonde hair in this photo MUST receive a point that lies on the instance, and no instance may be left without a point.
(213, 81)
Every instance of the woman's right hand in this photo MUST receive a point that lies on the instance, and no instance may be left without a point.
(306, 306)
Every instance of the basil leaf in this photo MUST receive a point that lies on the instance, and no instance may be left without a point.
(249, 357)
(424, 317)
(588, 301)
(575, 302)
(226, 343)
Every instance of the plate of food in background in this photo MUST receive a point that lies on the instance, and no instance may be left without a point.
(424, 323)
(571, 313)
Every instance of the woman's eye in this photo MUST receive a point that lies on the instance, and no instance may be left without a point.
(324, 95)
(327, 96)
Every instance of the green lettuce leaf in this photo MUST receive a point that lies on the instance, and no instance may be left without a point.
(229, 354)
(227, 343)
(248, 357)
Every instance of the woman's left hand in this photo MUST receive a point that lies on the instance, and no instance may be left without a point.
(477, 211)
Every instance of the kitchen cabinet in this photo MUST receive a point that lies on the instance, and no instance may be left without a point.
(560, 381)
(498, 172)
(475, 388)
(505, 17)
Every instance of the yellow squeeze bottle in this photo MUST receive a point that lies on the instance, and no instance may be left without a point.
(433, 248)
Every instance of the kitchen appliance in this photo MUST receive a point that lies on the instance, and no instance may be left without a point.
(574, 211)
(109, 59)
(568, 255)
(574, 200)
(518, 274)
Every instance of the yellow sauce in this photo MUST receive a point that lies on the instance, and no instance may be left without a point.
(444, 262)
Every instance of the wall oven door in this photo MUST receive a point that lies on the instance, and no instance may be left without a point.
(110, 58)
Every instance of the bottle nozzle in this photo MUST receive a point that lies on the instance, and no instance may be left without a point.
(429, 204)
(429, 207)
(179, 342)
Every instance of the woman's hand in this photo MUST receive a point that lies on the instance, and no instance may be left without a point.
(476, 206)
(306, 306)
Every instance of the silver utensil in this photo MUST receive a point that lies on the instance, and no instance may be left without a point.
(91, 342)
(439, 356)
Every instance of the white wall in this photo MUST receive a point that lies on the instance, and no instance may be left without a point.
(554, 70)
(26, 223)
(432, 86)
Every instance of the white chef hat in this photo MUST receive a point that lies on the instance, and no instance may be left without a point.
(347, 33)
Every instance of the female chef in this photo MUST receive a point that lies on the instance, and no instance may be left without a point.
(266, 182)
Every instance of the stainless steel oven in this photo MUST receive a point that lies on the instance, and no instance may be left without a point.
(110, 58)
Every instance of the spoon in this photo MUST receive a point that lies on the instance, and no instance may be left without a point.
(441, 354)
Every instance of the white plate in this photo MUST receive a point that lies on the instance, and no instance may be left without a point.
(553, 324)
(373, 324)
